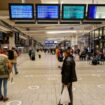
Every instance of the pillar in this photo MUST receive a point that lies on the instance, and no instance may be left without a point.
(76, 40)
(23, 1)
(12, 40)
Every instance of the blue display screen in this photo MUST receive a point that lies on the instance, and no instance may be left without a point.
(49, 42)
(73, 12)
(21, 11)
(96, 12)
(47, 12)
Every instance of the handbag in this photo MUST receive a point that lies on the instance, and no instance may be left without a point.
(65, 96)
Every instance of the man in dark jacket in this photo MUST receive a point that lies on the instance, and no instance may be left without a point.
(69, 73)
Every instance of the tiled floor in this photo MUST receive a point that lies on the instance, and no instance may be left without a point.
(39, 83)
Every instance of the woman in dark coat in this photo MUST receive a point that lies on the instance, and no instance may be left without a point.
(69, 73)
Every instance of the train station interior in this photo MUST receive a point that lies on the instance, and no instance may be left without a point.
(43, 34)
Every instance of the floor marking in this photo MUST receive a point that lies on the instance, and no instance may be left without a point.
(15, 102)
(12, 83)
(101, 86)
(100, 71)
(97, 75)
(51, 79)
(29, 76)
(79, 79)
(33, 87)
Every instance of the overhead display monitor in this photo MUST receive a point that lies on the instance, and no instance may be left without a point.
(49, 42)
(21, 11)
(47, 11)
(73, 11)
(96, 11)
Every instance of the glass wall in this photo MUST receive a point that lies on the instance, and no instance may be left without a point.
(96, 39)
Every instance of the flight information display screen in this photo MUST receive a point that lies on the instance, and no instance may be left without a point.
(47, 11)
(21, 11)
(49, 42)
(96, 12)
(74, 12)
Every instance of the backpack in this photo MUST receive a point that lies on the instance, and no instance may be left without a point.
(10, 55)
(95, 61)
(3, 67)
(60, 58)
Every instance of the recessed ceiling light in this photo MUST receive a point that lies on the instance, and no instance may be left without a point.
(60, 32)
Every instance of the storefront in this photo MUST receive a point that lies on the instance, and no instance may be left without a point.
(94, 39)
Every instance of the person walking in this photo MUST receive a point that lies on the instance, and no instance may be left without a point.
(69, 73)
(5, 70)
(33, 54)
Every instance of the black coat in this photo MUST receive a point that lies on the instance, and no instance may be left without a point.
(68, 70)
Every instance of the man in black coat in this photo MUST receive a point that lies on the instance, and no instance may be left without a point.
(69, 73)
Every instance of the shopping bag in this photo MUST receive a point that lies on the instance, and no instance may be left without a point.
(11, 77)
(65, 96)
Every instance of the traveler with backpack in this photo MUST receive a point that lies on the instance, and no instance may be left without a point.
(12, 56)
(5, 70)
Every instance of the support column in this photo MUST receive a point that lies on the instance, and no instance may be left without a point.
(72, 40)
(23, 1)
(76, 40)
(11, 40)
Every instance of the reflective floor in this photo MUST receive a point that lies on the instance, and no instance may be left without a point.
(39, 83)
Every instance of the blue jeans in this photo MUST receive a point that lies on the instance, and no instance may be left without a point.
(15, 67)
(4, 82)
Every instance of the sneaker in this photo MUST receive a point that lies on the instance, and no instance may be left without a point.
(5, 99)
(1, 98)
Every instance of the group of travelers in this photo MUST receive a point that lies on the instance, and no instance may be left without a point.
(8, 60)
(48, 51)
(32, 53)
(86, 54)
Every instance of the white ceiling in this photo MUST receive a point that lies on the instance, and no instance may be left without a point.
(38, 31)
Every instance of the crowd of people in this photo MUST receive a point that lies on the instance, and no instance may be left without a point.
(84, 54)
(8, 61)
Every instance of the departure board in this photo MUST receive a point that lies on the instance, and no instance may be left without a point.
(47, 12)
(49, 42)
(21, 11)
(74, 12)
(96, 12)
